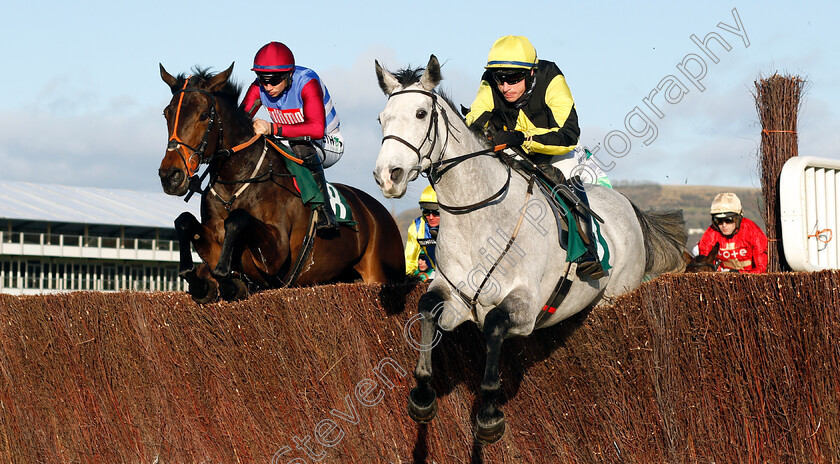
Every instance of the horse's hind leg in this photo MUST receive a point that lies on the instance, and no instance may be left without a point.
(383, 260)
(422, 400)
(490, 421)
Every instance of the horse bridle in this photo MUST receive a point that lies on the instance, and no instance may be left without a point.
(438, 168)
(703, 263)
(175, 142)
(433, 126)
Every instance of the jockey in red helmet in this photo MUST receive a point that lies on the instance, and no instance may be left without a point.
(299, 105)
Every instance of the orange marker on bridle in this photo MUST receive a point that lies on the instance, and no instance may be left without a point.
(191, 161)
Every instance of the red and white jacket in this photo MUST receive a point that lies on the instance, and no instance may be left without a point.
(745, 251)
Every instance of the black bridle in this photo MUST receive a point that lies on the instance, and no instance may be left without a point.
(431, 131)
(438, 168)
(175, 142)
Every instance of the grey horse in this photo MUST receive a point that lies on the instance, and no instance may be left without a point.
(498, 249)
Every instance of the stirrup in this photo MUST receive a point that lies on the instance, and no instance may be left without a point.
(325, 220)
(589, 267)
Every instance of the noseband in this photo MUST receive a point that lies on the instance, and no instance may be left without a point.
(175, 142)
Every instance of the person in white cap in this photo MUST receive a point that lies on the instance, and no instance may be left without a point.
(743, 246)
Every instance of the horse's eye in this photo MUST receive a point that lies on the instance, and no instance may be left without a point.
(379, 120)
(204, 116)
(421, 114)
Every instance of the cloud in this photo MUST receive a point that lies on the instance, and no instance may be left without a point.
(99, 148)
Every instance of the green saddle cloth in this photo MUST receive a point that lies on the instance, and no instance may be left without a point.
(575, 248)
(311, 194)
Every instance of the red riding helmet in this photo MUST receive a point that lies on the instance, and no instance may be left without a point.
(274, 57)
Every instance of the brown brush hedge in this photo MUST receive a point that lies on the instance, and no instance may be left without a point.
(688, 368)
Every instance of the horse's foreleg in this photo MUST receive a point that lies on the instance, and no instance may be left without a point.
(422, 400)
(202, 287)
(231, 287)
(187, 227)
(490, 421)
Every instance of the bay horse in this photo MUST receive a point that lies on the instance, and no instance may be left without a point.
(703, 263)
(499, 258)
(255, 231)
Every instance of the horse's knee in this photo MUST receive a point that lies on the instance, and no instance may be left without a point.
(185, 222)
(237, 220)
(497, 322)
(430, 303)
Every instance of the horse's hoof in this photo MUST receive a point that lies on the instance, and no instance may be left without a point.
(421, 412)
(204, 291)
(489, 432)
(233, 289)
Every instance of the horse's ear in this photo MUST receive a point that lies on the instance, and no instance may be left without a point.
(714, 251)
(431, 76)
(387, 82)
(216, 82)
(168, 78)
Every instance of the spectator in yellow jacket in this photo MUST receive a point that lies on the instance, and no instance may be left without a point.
(422, 234)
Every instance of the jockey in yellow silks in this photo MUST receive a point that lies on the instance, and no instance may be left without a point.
(524, 102)
(422, 233)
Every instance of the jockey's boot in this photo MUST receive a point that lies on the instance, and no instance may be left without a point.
(326, 216)
(589, 266)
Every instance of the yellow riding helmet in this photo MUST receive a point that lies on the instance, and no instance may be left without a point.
(428, 199)
(726, 204)
(512, 51)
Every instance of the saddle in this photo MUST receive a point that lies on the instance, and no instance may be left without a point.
(311, 194)
(554, 185)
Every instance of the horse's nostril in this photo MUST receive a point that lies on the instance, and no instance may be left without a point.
(396, 175)
(171, 177)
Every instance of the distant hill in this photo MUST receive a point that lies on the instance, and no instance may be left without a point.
(694, 200)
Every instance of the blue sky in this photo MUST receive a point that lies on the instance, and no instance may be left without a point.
(82, 97)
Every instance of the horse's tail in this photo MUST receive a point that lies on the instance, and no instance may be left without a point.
(665, 236)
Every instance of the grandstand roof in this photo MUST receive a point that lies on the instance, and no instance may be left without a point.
(89, 205)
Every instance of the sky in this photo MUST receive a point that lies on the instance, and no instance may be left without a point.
(81, 97)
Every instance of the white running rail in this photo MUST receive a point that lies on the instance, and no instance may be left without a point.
(809, 199)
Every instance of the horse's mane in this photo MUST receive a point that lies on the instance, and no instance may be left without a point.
(229, 92)
(410, 76)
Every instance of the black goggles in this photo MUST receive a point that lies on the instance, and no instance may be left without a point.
(725, 220)
(273, 78)
(508, 77)
(431, 212)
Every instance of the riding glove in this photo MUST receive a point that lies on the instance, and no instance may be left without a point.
(509, 138)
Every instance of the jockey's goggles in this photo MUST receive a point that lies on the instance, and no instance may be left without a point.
(724, 220)
(431, 212)
(509, 77)
(272, 78)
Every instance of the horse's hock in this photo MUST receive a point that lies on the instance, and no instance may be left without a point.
(687, 368)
